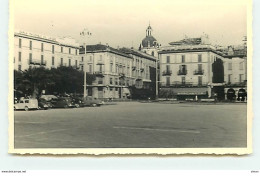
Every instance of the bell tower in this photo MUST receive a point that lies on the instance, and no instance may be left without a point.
(149, 31)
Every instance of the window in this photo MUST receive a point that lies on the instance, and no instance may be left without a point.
(26, 101)
(20, 67)
(90, 68)
(199, 58)
(183, 80)
(229, 78)
(199, 67)
(167, 68)
(30, 57)
(69, 50)
(20, 43)
(168, 59)
(53, 49)
(19, 56)
(100, 68)
(183, 58)
(76, 63)
(42, 47)
(241, 78)
(100, 81)
(42, 58)
(82, 59)
(168, 81)
(52, 60)
(200, 80)
(229, 66)
(61, 49)
(152, 53)
(76, 51)
(100, 57)
(61, 61)
(30, 45)
(111, 67)
(116, 89)
(69, 62)
(241, 66)
(111, 81)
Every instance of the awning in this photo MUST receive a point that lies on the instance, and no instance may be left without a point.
(190, 91)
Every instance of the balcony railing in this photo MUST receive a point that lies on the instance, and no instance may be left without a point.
(167, 73)
(100, 62)
(198, 72)
(182, 72)
(100, 82)
(121, 75)
(37, 62)
(236, 84)
(99, 73)
(183, 84)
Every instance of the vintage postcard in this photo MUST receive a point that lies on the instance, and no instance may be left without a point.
(130, 77)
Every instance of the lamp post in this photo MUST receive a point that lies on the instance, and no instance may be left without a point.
(85, 71)
(84, 33)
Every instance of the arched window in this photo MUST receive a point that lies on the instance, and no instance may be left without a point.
(152, 53)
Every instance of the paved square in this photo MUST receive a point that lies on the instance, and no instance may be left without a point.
(134, 125)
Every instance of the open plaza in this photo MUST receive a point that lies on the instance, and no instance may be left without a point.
(134, 125)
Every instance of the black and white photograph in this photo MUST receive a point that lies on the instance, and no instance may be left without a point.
(130, 77)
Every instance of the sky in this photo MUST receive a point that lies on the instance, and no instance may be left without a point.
(122, 23)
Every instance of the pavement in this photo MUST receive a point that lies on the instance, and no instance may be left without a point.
(134, 125)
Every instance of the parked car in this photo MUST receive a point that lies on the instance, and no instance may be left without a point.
(78, 101)
(89, 101)
(62, 102)
(44, 104)
(26, 104)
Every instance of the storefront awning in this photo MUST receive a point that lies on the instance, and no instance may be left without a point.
(190, 91)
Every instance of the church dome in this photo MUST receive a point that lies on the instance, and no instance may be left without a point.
(149, 41)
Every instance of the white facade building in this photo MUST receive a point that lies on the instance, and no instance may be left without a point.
(32, 50)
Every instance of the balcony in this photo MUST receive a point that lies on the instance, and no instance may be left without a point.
(182, 84)
(182, 72)
(121, 75)
(100, 82)
(99, 73)
(37, 62)
(100, 62)
(167, 73)
(237, 84)
(198, 72)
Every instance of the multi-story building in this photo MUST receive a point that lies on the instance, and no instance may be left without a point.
(191, 69)
(116, 70)
(235, 68)
(32, 50)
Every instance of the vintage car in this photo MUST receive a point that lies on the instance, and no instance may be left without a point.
(26, 104)
(89, 101)
(62, 102)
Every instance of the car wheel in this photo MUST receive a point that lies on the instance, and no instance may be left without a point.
(94, 105)
(39, 107)
(77, 105)
(26, 108)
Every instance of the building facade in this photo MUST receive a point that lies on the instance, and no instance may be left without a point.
(116, 71)
(32, 50)
(191, 69)
(235, 64)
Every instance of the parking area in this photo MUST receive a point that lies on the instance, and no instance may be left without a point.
(133, 125)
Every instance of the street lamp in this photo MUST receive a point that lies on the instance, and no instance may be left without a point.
(85, 33)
